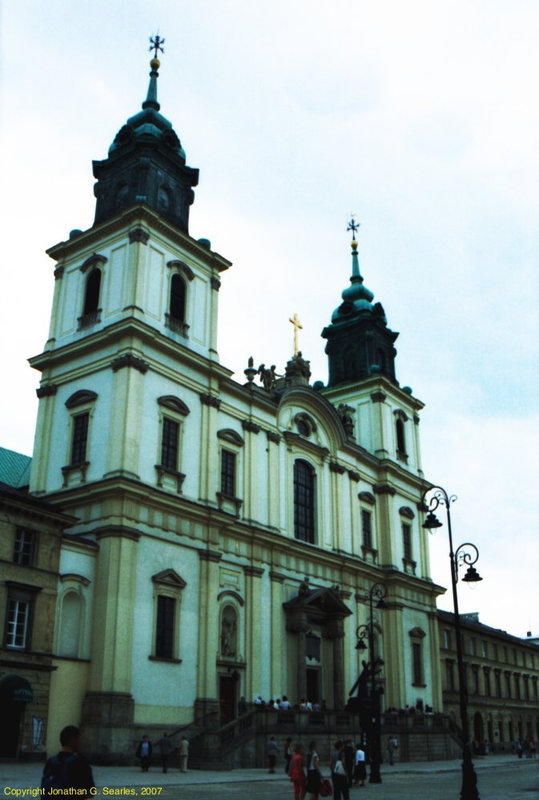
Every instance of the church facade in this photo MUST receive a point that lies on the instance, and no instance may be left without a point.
(228, 532)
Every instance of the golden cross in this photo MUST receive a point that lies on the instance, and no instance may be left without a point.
(297, 325)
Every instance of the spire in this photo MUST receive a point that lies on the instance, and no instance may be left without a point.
(359, 342)
(151, 98)
(146, 163)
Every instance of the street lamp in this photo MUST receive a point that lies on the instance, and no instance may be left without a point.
(466, 554)
(367, 632)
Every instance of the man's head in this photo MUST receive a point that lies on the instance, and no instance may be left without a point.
(70, 737)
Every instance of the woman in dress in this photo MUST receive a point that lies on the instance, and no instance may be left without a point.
(314, 778)
(297, 773)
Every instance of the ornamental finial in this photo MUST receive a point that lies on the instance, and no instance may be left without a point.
(354, 227)
(156, 44)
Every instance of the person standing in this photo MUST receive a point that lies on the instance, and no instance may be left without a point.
(391, 747)
(314, 777)
(144, 752)
(165, 747)
(287, 754)
(184, 753)
(68, 769)
(339, 776)
(360, 771)
(271, 751)
(349, 756)
(297, 773)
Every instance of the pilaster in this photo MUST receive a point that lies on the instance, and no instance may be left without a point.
(277, 679)
(114, 604)
(127, 395)
(253, 629)
(42, 440)
(208, 629)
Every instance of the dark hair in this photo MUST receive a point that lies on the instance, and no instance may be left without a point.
(69, 735)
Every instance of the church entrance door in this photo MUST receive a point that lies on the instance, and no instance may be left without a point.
(313, 688)
(227, 698)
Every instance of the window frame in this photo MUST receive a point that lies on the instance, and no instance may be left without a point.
(228, 473)
(169, 585)
(309, 507)
(19, 593)
(18, 552)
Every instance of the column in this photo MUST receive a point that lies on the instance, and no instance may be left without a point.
(277, 634)
(250, 470)
(40, 480)
(335, 632)
(377, 424)
(125, 414)
(274, 511)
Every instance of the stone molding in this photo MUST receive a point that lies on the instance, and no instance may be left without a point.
(248, 425)
(384, 488)
(182, 268)
(353, 475)
(138, 235)
(215, 284)
(253, 572)
(117, 531)
(130, 360)
(367, 497)
(378, 397)
(210, 400)
(277, 577)
(47, 390)
(210, 555)
(273, 437)
(338, 468)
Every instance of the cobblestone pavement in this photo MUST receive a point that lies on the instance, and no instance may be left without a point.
(499, 778)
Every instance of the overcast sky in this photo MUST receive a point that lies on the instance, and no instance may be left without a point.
(420, 117)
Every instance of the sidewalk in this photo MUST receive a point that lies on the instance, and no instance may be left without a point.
(19, 775)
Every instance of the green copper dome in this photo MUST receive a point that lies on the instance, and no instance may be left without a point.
(146, 164)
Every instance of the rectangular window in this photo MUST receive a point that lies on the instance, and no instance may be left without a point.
(472, 647)
(169, 444)
(24, 547)
(447, 639)
(407, 541)
(487, 682)
(366, 529)
(526, 687)
(417, 663)
(517, 687)
(508, 684)
(450, 676)
(17, 623)
(498, 683)
(484, 649)
(164, 637)
(475, 680)
(80, 438)
(304, 501)
(228, 473)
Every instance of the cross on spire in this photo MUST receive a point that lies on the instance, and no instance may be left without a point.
(353, 226)
(156, 43)
(297, 325)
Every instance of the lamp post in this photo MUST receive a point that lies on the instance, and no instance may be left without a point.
(466, 554)
(375, 664)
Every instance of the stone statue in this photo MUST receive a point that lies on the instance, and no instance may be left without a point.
(346, 414)
(268, 377)
(228, 634)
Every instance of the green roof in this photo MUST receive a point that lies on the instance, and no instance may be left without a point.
(14, 468)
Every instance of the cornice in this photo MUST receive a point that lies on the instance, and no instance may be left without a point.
(128, 219)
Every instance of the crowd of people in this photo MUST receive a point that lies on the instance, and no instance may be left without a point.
(283, 704)
(347, 766)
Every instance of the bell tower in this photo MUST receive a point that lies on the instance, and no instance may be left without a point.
(146, 164)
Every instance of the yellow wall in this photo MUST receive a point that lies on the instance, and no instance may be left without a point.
(68, 687)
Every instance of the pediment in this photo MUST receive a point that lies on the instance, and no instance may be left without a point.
(169, 577)
(324, 602)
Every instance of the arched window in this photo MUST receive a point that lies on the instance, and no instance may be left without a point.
(91, 295)
(401, 439)
(70, 625)
(304, 499)
(177, 298)
(229, 628)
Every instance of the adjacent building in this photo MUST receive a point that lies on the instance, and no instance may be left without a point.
(501, 673)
